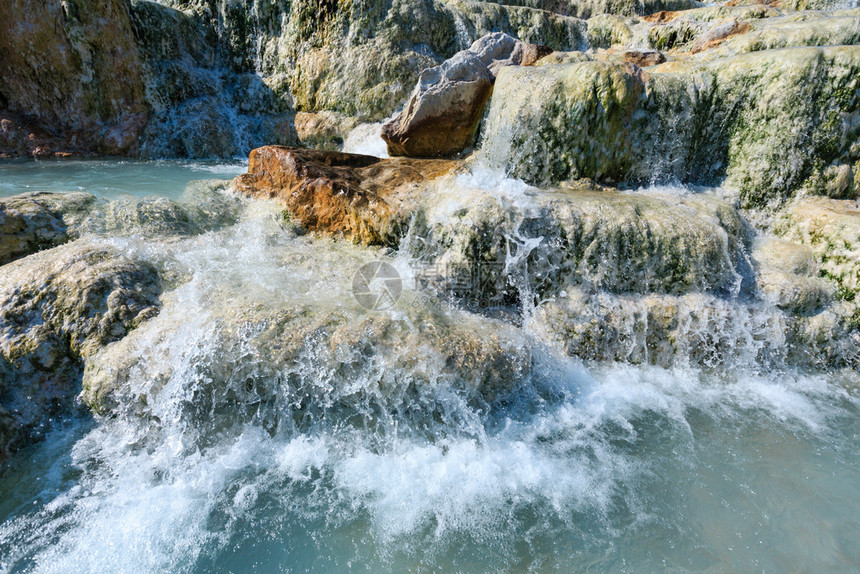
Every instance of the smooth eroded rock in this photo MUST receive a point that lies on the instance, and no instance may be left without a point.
(771, 123)
(34, 221)
(442, 115)
(355, 196)
(57, 307)
(696, 328)
(787, 276)
(326, 130)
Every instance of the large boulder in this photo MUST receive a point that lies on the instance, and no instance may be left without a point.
(56, 308)
(442, 116)
(354, 196)
(443, 113)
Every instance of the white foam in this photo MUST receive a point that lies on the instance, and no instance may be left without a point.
(365, 139)
(580, 458)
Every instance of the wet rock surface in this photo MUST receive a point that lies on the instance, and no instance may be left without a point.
(36, 221)
(625, 276)
(442, 115)
(64, 295)
(355, 196)
(597, 240)
(56, 308)
(788, 276)
(596, 273)
(736, 95)
(683, 120)
(323, 130)
(215, 79)
(298, 350)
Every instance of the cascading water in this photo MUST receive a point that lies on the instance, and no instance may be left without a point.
(266, 421)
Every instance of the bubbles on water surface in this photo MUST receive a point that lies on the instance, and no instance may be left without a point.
(277, 424)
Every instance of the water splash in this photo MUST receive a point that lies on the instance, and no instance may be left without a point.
(270, 422)
(365, 139)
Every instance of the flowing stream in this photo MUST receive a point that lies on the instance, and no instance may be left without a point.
(246, 461)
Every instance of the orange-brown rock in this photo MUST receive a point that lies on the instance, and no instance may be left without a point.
(719, 34)
(358, 197)
(661, 17)
(643, 58)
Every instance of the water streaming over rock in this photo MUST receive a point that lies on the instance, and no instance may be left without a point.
(266, 421)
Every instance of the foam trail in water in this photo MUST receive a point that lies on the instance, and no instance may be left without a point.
(584, 462)
(599, 464)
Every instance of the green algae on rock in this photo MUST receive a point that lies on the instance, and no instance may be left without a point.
(831, 228)
(696, 328)
(597, 240)
(772, 122)
(35, 221)
(59, 306)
